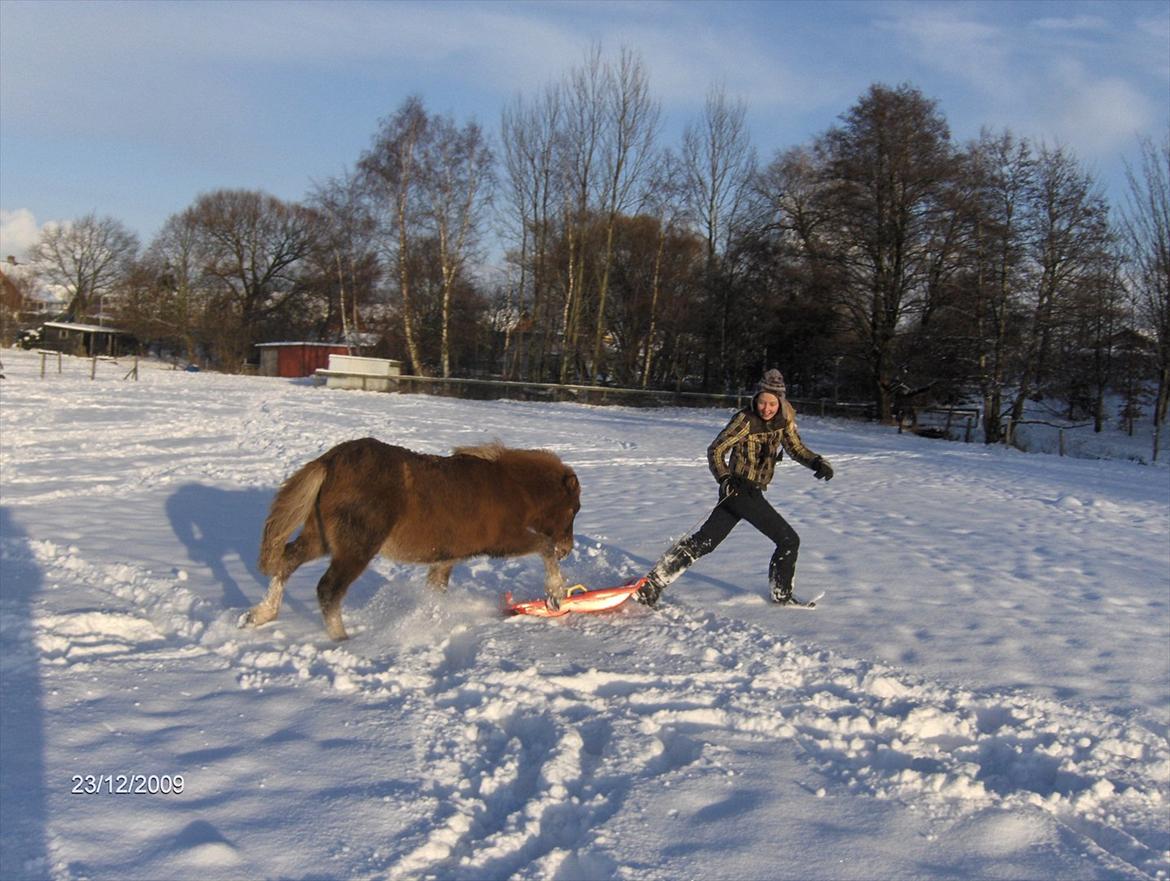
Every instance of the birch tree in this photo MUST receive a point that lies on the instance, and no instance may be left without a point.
(580, 145)
(394, 173)
(459, 178)
(346, 260)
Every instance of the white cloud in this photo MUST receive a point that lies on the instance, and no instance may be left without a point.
(1073, 23)
(945, 39)
(1150, 51)
(1063, 78)
(18, 231)
(506, 47)
(1097, 115)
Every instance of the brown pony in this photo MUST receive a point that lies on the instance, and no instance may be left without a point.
(364, 497)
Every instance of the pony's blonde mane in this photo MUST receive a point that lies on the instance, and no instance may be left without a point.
(491, 452)
(497, 452)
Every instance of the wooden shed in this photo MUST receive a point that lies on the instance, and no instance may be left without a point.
(85, 339)
(294, 359)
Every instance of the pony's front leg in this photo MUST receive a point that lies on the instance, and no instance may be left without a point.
(554, 581)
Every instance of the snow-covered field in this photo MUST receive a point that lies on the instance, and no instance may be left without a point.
(983, 693)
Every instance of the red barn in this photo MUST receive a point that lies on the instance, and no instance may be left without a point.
(296, 358)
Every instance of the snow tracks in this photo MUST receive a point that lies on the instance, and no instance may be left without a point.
(529, 736)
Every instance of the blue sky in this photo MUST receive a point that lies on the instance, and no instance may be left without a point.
(133, 109)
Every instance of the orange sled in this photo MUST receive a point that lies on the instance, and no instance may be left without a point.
(578, 599)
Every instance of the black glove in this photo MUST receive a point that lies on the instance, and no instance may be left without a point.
(730, 486)
(822, 470)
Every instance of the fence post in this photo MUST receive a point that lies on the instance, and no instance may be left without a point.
(1061, 442)
(42, 365)
(967, 432)
(93, 368)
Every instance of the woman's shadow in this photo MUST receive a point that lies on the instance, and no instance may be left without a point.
(217, 524)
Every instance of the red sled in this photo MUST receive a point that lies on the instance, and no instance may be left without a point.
(578, 599)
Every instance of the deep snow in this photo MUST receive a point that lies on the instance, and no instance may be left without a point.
(984, 692)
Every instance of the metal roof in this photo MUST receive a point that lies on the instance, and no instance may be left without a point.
(84, 328)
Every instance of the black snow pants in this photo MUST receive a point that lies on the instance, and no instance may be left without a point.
(749, 504)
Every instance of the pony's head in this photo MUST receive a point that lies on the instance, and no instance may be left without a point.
(562, 515)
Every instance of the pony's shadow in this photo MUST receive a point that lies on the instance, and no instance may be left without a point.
(215, 525)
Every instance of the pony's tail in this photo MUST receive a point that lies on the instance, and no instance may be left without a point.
(290, 509)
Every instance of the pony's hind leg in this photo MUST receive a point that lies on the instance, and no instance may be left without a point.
(307, 547)
(342, 572)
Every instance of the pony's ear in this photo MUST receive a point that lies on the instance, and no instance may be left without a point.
(571, 483)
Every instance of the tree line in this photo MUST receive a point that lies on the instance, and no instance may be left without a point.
(880, 261)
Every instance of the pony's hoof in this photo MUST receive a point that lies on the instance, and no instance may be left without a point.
(254, 618)
(336, 630)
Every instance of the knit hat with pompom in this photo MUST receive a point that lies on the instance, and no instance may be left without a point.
(773, 383)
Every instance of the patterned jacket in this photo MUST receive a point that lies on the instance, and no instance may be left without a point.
(755, 445)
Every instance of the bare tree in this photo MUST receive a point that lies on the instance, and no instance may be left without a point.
(580, 146)
(393, 170)
(88, 258)
(430, 181)
(887, 165)
(787, 196)
(631, 126)
(662, 200)
(719, 162)
(458, 186)
(174, 258)
(1089, 366)
(530, 132)
(1002, 170)
(345, 260)
(1146, 227)
(1068, 230)
(251, 251)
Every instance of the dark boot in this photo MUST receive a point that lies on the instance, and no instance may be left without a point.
(781, 571)
(782, 595)
(673, 563)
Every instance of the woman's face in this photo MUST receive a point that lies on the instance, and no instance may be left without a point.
(766, 405)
